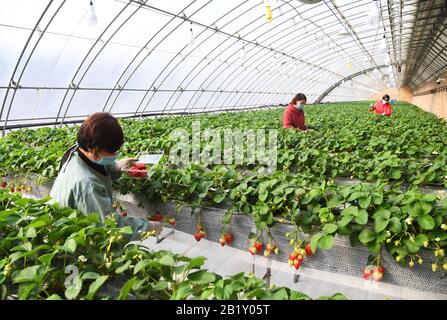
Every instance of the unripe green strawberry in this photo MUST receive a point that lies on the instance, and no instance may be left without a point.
(276, 250)
(266, 253)
(290, 262)
(445, 266)
(434, 267)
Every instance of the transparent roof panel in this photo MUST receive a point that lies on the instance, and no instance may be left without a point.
(66, 59)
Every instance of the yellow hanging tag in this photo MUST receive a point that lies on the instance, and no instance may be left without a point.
(268, 12)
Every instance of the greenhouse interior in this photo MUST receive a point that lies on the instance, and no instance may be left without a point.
(223, 150)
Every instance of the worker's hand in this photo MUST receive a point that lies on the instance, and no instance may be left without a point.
(121, 164)
(155, 226)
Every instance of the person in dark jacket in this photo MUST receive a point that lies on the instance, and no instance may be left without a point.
(294, 114)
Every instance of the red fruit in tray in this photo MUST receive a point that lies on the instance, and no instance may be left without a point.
(140, 166)
(222, 241)
(156, 217)
(258, 245)
(198, 236)
(308, 250)
(228, 238)
(4, 184)
(171, 221)
(367, 273)
(134, 172)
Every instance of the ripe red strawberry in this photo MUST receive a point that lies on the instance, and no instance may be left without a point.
(228, 238)
(367, 273)
(4, 184)
(172, 221)
(296, 264)
(308, 250)
(124, 214)
(300, 258)
(140, 166)
(253, 250)
(258, 245)
(293, 256)
(222, 241)
(156, 217)
(134, 172)
(198, 236)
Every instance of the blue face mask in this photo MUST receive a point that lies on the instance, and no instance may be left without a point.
(106, 161)
(300, 106)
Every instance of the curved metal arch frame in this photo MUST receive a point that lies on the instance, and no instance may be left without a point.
(222, 64)
(98, 40)
(229, 36)
(335, 85)
(142, 60)
(159, 43)
(166, 67)
(429, 64)
(316, 75)
(276, 79)
(17, 83)
(199, 90)
(427, 67)
(251, 57)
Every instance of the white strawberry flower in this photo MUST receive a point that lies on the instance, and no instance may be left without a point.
(409, 220)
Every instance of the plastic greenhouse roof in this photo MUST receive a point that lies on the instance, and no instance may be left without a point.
(171, 56)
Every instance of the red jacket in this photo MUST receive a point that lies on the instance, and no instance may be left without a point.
(293, 118)
(380, 108)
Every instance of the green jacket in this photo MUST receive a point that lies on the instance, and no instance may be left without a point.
(84, 185)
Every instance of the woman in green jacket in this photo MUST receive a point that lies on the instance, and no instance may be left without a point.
(87, 169)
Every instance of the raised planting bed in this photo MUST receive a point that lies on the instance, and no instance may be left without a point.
(342, 258)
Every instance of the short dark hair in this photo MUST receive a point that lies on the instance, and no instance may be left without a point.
(101, 131)
(386, 97)
(298, 97)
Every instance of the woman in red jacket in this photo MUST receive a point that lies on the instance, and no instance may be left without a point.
(382, 107)
(294, 114)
